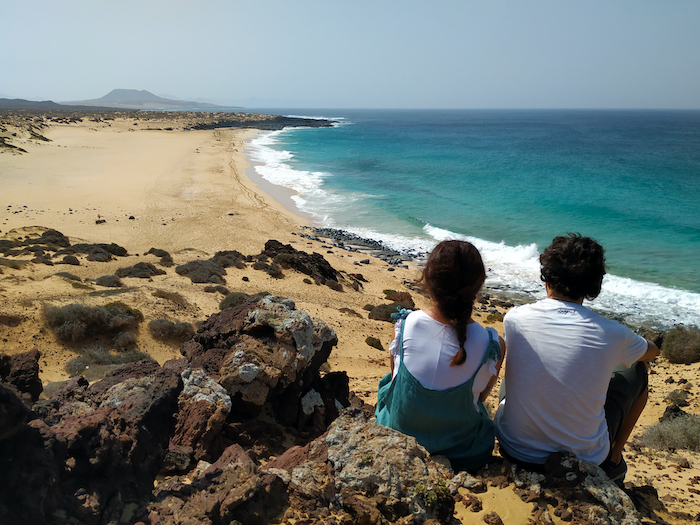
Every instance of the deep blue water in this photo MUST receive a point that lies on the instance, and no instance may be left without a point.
(510, 181)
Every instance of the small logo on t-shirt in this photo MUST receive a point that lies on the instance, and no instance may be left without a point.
(565, 311)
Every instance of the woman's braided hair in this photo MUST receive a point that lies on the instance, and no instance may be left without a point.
(453, 276)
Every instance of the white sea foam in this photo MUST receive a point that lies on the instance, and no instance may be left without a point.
(511, 269)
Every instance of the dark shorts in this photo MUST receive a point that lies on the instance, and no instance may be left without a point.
(626, 385)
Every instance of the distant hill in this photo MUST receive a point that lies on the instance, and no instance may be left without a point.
(19, 103)
(140, 99)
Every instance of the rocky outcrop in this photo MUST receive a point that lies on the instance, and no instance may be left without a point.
(89, 453)
(245, 429)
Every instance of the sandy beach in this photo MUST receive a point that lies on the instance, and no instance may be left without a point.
(191, 194)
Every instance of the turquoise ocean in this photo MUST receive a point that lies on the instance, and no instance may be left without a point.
(509, 181)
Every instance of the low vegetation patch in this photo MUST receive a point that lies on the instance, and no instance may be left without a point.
(81, 286)
(167, 330)
(681, 345)
(109, 281)
(494, 318)
(202, 272)
(682, 432)
(96, 362)
(76, 322)
(233, 299)
(69, 276)
(142, 270)
(374, 343)
(15, 265)
(214, 289)
(171, 296)
(401, 297)
(237, 298)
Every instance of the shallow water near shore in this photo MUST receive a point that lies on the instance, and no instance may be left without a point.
(509, 181)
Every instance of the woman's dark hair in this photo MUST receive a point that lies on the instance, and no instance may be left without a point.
(453, 275)
(573, 266)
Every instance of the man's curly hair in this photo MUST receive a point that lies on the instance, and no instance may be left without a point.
(573, 266)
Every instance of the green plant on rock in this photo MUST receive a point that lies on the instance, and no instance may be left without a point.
(432, 495)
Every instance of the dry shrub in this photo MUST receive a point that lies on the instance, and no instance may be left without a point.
(142, 270)
(202, 272)
(220, 289)
(494, 318)
(682, 345)
(76, 322)
(171, 296)
(681, 432)
(228, 259)
(109, 281)
(401, 297)
(167, 330)
(233, 299)
(334, 285)
(69, 276)
(97, 361)
(124, 341)
(374, 343)
(167, 261)
(275, 271)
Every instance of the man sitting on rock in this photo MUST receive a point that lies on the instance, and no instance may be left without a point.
(575, 381)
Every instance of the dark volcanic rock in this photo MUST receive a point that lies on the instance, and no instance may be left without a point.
(22, 371)
(313, 265)
(87, 467)
(265, 351)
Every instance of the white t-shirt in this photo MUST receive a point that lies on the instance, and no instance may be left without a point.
(561, 356)
(428, 348)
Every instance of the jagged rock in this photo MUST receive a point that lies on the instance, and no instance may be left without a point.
(313, 265)
(266, 351)
(22, 371)
(13, 413)
(203, 407)
(87, 466)
(576, 489)
(359, 472)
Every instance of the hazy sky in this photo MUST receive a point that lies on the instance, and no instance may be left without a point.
(358, 54)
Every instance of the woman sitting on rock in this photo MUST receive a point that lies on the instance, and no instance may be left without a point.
(444, 364)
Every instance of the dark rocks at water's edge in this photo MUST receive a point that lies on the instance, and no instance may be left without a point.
(244, 428)
(36, 117)
(262, 122)
(350, 242)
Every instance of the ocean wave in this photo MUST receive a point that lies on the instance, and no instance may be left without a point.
(516, 269)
